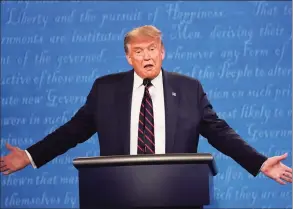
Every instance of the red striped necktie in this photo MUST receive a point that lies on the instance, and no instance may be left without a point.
(146, 137)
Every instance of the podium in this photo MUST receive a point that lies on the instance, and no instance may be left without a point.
(146, 181)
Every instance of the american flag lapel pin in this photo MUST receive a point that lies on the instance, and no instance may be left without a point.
(173, 94)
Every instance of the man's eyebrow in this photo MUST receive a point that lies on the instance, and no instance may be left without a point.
(152, 44)
(136, 47)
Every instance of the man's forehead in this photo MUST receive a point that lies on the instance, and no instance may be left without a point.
(144, 41)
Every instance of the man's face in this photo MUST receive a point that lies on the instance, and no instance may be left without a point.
(145, 55)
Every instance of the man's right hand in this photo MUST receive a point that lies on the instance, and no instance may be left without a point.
(16, 160)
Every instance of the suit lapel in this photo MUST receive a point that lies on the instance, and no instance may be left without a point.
(171, 105)
(123, 102)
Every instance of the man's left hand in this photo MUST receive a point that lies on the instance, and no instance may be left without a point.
(275, 169)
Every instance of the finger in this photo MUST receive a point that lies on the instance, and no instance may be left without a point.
(287, 169)
(9, 147)
(2, 163)
(287, 179)
(3, 169)
(289, 175)
(7, 172)
(280, 181)
(1, 166)
(282, 157)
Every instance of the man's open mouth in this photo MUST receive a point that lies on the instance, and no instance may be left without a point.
(148, 66)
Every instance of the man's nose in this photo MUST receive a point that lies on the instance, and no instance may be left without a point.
(146, 55)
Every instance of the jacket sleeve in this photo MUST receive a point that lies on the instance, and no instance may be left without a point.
(222, 137)
(77, 130)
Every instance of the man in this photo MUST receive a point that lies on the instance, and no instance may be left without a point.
(143, 111)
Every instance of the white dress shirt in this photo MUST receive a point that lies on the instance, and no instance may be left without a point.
(157, 95)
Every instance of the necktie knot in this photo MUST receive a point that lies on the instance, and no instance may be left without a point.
(147, 82)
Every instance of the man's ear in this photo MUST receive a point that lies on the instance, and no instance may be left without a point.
(163, 53)
(128, 59)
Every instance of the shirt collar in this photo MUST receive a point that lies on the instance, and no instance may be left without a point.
(138, 80)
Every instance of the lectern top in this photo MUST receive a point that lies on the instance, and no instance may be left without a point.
(147, 159)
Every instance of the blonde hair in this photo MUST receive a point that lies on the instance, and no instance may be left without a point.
(146, 30)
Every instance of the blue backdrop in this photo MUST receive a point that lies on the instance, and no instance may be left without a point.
(53, 51)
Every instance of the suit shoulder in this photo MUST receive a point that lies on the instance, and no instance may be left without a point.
(111, 78)
(184, 78)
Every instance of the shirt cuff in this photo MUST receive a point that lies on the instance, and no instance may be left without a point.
(259, 171)
(31, 159)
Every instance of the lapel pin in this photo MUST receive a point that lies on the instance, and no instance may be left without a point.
(173, 94)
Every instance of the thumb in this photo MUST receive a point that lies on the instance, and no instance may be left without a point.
(9, 147)
(281, 157)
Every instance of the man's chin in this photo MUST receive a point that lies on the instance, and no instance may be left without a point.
(148, 73)
(151, 73)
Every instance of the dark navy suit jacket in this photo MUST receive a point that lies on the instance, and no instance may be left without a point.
(107, 112)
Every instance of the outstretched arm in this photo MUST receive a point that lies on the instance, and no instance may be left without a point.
(77, 130)
(221, 136)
